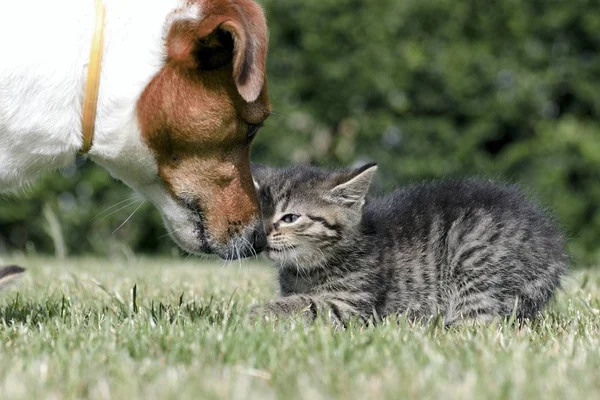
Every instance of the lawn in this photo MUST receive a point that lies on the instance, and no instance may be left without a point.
(75, 329)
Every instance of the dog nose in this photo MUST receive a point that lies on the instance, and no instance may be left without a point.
(259, 241)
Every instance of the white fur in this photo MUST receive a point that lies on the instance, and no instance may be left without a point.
(45, 48)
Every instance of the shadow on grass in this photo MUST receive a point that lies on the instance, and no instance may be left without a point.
(32, 313)
(60, 308)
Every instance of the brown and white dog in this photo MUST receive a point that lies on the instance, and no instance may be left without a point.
(182, 93)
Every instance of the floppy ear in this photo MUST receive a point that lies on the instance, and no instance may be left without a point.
(355, 186)
(225, 32)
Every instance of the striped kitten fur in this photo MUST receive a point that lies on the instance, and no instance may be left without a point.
(465, 249)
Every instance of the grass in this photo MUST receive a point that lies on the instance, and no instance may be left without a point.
(75, 329)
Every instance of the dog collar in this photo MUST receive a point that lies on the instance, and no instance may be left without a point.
(92, 83)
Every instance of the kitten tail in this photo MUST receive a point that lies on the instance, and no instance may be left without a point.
(10, 274)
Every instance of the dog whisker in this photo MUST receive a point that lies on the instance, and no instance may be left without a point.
(130, 199)
(249, 245)
(169, 233)
(128, 218)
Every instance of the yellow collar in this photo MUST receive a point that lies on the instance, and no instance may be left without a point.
(90, 97)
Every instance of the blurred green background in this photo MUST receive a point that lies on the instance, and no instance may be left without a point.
(505, 89)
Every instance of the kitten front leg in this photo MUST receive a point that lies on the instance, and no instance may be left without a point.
(286, 307)
(309, 307)
(292, 305)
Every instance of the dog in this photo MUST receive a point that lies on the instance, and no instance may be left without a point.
(182, 93)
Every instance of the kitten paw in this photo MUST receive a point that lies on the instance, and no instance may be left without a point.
(279, 310)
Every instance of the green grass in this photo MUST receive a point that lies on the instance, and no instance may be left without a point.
(71, 329)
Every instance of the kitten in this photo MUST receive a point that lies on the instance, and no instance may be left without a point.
(464, 249)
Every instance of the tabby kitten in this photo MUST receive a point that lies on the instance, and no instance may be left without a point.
(464, 249)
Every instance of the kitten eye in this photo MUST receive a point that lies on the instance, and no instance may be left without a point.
(253, 130)
(289, 218)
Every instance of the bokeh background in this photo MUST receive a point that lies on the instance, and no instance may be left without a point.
(506, 90)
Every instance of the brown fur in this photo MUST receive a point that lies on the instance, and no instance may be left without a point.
(195, 113)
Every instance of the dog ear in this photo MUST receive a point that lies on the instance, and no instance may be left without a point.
(225, 32)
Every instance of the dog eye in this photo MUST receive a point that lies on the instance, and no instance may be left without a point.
(289, 218)
(253, 130)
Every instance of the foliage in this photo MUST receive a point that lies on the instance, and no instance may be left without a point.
(428, 89)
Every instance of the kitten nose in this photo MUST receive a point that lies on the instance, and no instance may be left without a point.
(259, 241)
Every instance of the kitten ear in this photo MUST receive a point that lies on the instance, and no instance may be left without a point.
(355, 187)
(260, 174)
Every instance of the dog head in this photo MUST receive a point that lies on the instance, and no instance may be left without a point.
(197, 118)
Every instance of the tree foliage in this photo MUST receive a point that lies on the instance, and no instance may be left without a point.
(428, 89)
